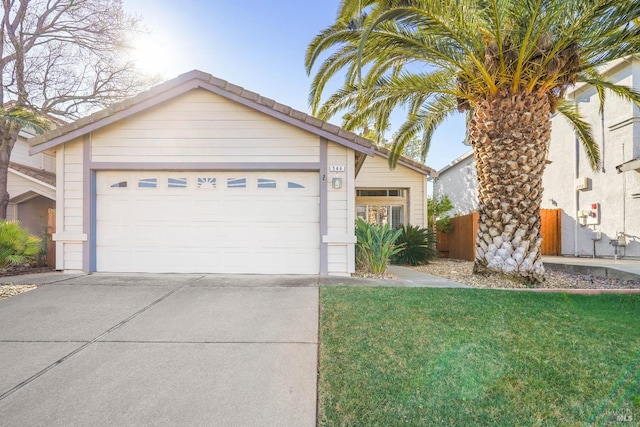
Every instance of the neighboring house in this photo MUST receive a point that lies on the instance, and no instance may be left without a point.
(31, 183)
(459, 181)
(598, 208)
(199, 175)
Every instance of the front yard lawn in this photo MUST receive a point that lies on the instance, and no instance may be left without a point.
(453, 357)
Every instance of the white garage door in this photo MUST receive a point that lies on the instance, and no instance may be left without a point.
(207, 222)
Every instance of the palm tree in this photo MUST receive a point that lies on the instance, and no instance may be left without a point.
(22, 117)
(506, 63)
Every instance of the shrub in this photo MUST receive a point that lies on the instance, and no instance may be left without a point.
(17, 245)
(375, 245)
(419, 246)
(437, 208)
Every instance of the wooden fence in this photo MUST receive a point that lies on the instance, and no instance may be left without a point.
(551, 230)
(461, 242)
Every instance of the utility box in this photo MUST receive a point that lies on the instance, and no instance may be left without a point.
(592, 213)
(583, 184)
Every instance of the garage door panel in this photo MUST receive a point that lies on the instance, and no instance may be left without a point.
(212, 229)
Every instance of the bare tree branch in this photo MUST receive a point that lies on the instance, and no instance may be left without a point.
(63, 59)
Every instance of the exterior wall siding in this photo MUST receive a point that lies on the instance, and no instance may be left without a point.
(20, 154)
(17, 185)
(200, 126)
(72, 206)
(340, 236)
(375, 174)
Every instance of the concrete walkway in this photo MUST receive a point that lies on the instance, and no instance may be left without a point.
(405, 277)
(601, 267)
(159, 350)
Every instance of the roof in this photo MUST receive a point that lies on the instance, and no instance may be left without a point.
(405, 161)
(460, 159)
(39, 174)
(184, 83)
(629, 166)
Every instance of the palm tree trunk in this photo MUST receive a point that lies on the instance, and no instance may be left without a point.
(510, 136)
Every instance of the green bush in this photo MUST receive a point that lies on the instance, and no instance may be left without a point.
(17, 245)
(419, 246)
(375, 246)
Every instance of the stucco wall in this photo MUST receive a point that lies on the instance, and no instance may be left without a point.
(459, 182)
(618, 139)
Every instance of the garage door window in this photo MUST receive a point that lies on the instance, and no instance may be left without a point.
(177, 183)
(148, 183)
(292, 184)
(236, 182)
(266, 183)
(206, 183)
(121, 184)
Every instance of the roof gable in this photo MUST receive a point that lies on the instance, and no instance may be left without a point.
(191, 81)
(407, 162)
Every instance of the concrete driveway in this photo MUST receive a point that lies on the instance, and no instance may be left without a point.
(160, 350)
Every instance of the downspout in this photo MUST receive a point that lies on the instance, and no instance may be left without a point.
(577, 192)
(577, 198)
(624, 193)
(602, 145)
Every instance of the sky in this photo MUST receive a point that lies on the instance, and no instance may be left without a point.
(257, 44)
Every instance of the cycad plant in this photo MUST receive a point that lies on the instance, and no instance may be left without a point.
(419, 245)
(376, 244)
(506, 63)
(17, 245)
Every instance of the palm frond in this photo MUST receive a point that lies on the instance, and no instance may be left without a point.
(583, 131)
(24, 118)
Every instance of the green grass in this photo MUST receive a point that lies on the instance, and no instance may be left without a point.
(451, 357)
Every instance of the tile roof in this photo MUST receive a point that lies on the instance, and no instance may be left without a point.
(39, 174)
(184, 83)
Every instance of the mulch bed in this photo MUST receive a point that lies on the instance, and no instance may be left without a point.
(19, 270)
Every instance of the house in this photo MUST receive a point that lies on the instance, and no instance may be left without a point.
(31, 184)
(459, 181)
(394, 196)
(599, 209)
(198, 175)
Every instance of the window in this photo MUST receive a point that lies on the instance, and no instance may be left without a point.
(121, 184)
(206, 183)
(266, 183)
(390, 192)
(236, 182)
(177, 183)
(148, 183)
(291, 184)
(381, 215)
